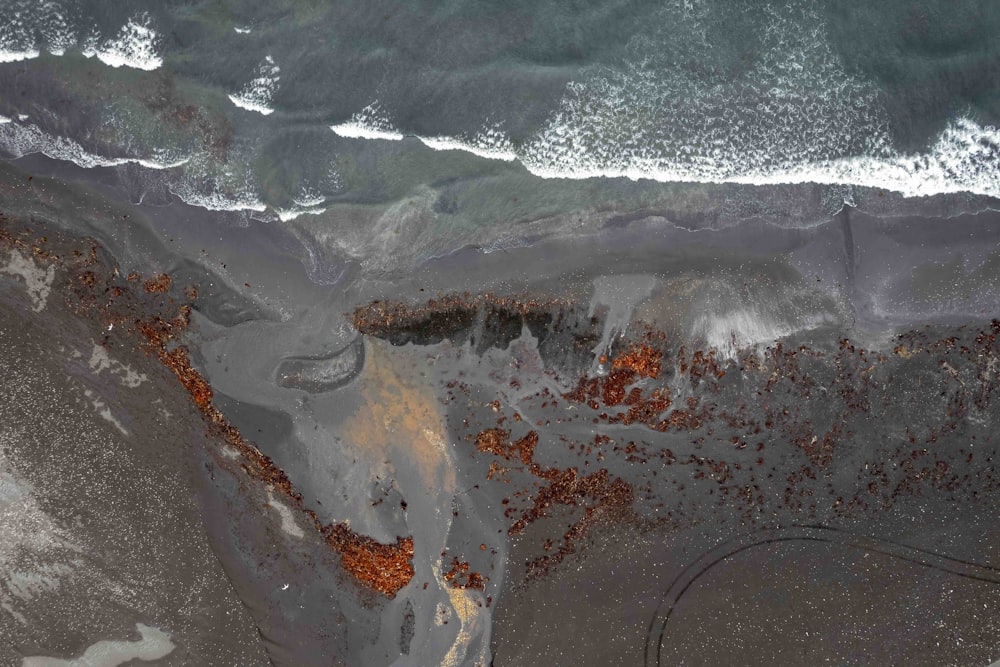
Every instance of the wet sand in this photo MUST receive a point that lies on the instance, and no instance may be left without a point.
(526, 549)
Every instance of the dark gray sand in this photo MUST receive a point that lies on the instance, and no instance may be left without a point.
(105, 557)
(818, 488)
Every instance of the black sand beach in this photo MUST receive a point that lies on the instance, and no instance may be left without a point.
(388, 334)
(857, 424)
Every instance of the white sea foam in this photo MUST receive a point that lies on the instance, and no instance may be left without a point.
(21, 139)
(17, 34)
(218, 198)
(258, 93)
(28, 27)
(136, 45)
(369, 123)
(10, 56)
(307, 203)
(490, 143)
(795, 116)
(372, 122)
(287, 215)
(964, 158)
(207, 186)
(221, 193)
(56, 32)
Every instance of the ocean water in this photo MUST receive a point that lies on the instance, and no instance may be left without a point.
(741, 179)
(279, 109)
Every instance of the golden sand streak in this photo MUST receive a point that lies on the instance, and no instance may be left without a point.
(468, 609)
(399, 416)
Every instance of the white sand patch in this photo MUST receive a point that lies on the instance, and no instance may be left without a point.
(738, 329)
(42, 578)
(34, 549)
(153, 645)
(467, 608)
(104, 411)
(288, 523)
(100, 361)
(37, 280)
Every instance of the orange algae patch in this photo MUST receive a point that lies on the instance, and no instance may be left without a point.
(495, 441)
(385, 568)
(601, 496)
(158, 284)
(461, 576)
(641, 359)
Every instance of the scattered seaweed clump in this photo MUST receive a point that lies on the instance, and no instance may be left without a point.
(642, 359)
(602, 496)
(158, 284)
(460, 575)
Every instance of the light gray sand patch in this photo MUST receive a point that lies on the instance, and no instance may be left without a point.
(45, 577)
(288, 523)
(154, 645)
(26, 530)
(37, 281)
(101, 361)
(104, 411)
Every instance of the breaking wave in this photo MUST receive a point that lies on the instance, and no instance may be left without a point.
(258, 93)
(792, 115)
(27, 28)
(20, 139)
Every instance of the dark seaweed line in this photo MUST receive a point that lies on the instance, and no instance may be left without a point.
(802, 533)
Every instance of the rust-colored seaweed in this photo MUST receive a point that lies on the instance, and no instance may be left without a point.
(101, 294)
(385, 568)
(158, 284)
(601, 495)
(460, 575)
